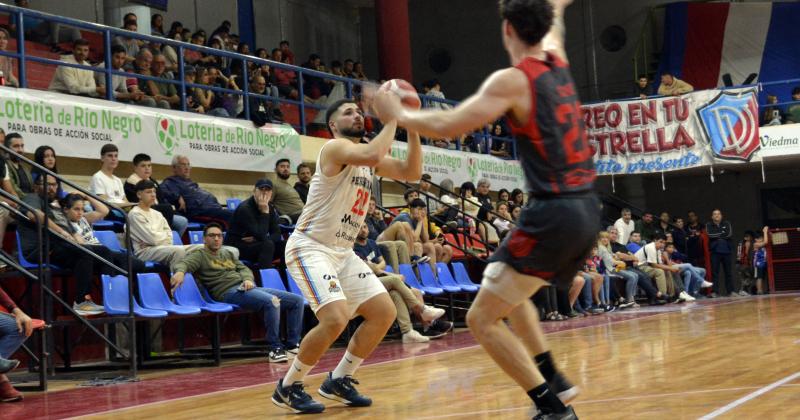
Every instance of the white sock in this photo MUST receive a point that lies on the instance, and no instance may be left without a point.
(297, 372)
(347, 366)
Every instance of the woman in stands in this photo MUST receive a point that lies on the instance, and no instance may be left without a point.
(503, 224)
(7, 63)
(503, 195)
(46, 156)
(517, 198)
(157, 25)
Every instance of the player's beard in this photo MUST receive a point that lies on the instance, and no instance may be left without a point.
(351, 132)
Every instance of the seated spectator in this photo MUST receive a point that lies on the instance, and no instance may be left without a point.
(433, 88)
(358, 72)
(515, 212)
(694, 278)
(348, 68)
(107, 185)
(672, 86)
(232, 103)
(405, 299)
(428, 240)
(663, 226)
(284, 80)
(498, 146)
(157, 25)
(760, 259)
(287, 56)
(613, 267)
(189, 76)
(193, 56)
(625, 226)
(164, 93)
(771, 115)
(303, 181)
(75, 81)
(262, 110)
(646, 227)
(15, 327)
(130, 45)
(793, 111)
(45, 156)
(517, 197)
(7, 64)
(206, 98)
(187, 196)
(425, 187)
(503, 195)
(643, 280)
(634, 242)
(679, 235)
(63, 249)
(650, 262)
(642, 88)
(374, 219)
(228, 280)
(503, 224)
(483, 197)
(123, 88)
(143, 169)
(254, 228)
(471, 205)
(284, 196)
(446, 214)
(21, 179)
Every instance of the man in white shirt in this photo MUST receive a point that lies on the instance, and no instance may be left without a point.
(105, 184)
(73, 80)
(625, 226)
(649, 257)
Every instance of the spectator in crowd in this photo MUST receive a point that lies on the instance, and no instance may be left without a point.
(73, 80)
(303, 180)
(471, 205)
(503, 224)
(744, 260)
(45, 156)
(5, 214)
(515, 212)
(348, 68)
(186, 35)
(175, 30)
(616, 268)
(130, 45)
(165, 93)
(446, 213)
(228, 280)
(621, 253)
(206, 98)
(63, 250)
(286, 52)
(793, 111)
(358, 72)
(503, 195)
(189, 76)
(425, 187)
(625, 226)
(497, 145)
(634, 242)
(646, 227)
(433, 88)
(284, 80)
(517, 197)
(405, 298)
(374, 219)
(187, 196)
(672, 86)
(719, 245)
(642, 88)
(157, 25)
(107, 185)
(21, 179)
(485, 200)
(679, 236)
(428, 240)
(771, 114)
(7, 64)
(15, 327)
(663, 226)
(285, 198)
(694, 243)
(143, 170)
(693, 277)
(195, 57)
(124, 89)
(254, 228)
(760, 259)
(262, 110)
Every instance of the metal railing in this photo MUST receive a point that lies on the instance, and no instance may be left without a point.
(351, 86)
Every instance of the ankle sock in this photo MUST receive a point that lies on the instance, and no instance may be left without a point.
(546, 400)
(544, 361)
(347, 366)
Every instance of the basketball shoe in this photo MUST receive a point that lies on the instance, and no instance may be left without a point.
(296, 399)
(342, 390)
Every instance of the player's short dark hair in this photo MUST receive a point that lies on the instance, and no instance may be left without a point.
(531, 19)
(418, 203)
(141, 157)
(108, 148)
(335, 107)
(116, 49)
(212, 225)
(281, 160)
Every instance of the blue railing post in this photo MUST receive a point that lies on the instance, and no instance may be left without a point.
(107, 57)
(23, 76)
(245, 90)
(301, 98)
(181, 76)
(514, 149)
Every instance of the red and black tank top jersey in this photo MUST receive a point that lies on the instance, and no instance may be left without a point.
(552, 147)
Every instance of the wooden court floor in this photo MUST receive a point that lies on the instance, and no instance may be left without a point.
(726, 358)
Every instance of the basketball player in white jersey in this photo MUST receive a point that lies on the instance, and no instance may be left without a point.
(319, 255)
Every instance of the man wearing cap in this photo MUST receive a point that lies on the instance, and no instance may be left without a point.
(254, 228)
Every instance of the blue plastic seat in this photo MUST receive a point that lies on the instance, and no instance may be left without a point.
(207, 297)
(411, 280)
(176, 239)
(105, 225)
(195, 226)
(461, 275)
(446, 279)
(293, 287)
(388, 269)
(109, 239)
(25, 263)
(428, 279)
(187, 294)
(115, 299)
(195, 237)
(271, 279)
(233, 203)
(153, 296)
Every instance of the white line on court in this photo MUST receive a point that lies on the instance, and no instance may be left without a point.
(750, 396)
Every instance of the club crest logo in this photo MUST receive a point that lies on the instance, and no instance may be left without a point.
(167, 134)
(730, 122)
(334, 287)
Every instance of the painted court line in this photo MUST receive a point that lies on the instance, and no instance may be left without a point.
(750, 396)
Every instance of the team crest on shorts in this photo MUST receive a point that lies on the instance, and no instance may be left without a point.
(730, 122)
(334, 287)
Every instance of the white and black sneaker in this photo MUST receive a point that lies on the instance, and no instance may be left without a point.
(277, 355)
(291, 353)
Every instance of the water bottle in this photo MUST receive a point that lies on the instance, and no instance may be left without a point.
(2, 79)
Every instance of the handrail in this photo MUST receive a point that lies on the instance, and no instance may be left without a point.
(109, 33)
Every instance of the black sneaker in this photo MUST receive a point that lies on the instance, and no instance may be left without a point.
(563, 388)
(342, 390)
(277, 355)
(438, 328)
(296, 399)
(567, 415)
(624, 304)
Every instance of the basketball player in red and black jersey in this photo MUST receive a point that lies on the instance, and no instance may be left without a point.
(557, 229)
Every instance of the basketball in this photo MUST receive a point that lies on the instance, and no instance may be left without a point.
(406, 92)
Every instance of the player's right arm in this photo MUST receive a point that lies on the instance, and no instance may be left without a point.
(554, 40)
(341, 152)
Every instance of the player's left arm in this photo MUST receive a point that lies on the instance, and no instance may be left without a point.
(554, 40)
(496, 96)
(404, 170)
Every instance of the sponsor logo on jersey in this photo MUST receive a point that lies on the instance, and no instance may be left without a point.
(334, 287)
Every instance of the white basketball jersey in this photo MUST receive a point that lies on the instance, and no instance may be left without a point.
(336, 206)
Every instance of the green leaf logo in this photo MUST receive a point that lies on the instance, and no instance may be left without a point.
(472, 168)
(167, 135)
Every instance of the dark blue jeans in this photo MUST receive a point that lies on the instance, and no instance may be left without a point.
(271, 301)
(10, 337)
